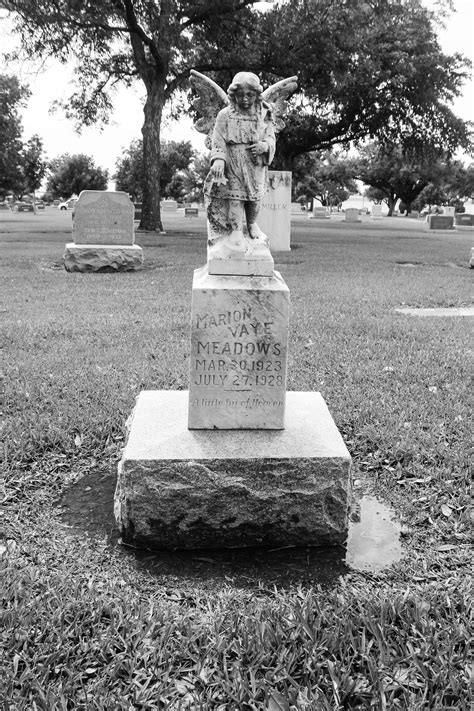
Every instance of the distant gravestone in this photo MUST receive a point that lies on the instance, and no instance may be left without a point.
(414, 214)
(319, 213)
(440, 222)
(296, 208)
(169, 206)
(464, 221)
(4, 206)
(376, 212)
(103, 218)
(449, 210)
(352, 215)
(103, 234)
(275, 211)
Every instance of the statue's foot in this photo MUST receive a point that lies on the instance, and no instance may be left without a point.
(256, 234)
(230, 247)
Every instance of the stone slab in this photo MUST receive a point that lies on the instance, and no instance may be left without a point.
(352, 215)
(239, 337)
(439, 312)
(274, 218)
(102, 258)
(180, 488)
(319, 213)
(103, 217)
(376, 212)
(440, 222)
(253, 266)
(169, 206)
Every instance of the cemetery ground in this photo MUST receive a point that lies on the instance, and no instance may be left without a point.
(88, 624)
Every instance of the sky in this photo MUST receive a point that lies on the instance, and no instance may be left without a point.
(106, 145)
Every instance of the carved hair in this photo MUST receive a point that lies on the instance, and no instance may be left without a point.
(246, 79)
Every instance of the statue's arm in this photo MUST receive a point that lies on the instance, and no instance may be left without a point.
(219, 139)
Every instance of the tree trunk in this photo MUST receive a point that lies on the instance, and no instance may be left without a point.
(391, 202)
(151, 214)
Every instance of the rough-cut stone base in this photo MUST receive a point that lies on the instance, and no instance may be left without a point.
(180, 488)
(242, 267)
(102, 258)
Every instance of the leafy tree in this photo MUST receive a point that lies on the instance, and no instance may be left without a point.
(386, 76)
(12, 96)
(326, 176)
(68, 175)
(397, 175)
(155, 42)
(130, 170)
(453, 187)
(372, 68)
(33, 166)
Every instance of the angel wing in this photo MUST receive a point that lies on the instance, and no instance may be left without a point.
(210, 100)
(276, 95)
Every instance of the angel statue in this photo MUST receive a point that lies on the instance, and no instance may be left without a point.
(241, 127)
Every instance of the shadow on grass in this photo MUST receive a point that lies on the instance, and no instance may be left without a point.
(372, 545)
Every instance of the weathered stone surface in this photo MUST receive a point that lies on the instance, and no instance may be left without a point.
(103, 217)
(241, 266)
(352, 215)
(440, 222)
(319, 213)
(376, 212)
(209, 489)
(239, 335)
(275, 212)
(102, 258)
(464, 222)
(169, 206)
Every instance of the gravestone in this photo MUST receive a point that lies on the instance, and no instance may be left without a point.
(440, 222)
(239, 335)
(235, 461)
(319, 213)
(352, 215)
(103, 234)
(275, 212)
(169, 206)
(4, 206)
(296, 208)
(414, 214)
(449, 210)
(464, 222)
(376, 212)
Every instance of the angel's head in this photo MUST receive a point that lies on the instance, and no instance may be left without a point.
(245, 90)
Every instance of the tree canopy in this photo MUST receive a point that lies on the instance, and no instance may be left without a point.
(69, 174)
(365, 69)
(130, 169)
(33, 164)
(326, 176)
(12, 95)
(397, 176)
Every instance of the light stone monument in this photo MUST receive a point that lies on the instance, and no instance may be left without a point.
(275, 212)
(352, 215)
(376, 212)
(237, 461)
(103, 234)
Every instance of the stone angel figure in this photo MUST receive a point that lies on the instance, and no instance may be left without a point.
(241, 127)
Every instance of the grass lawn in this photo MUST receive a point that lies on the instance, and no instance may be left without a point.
(88, 626)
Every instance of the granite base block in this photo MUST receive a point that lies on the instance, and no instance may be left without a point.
(102, 258)
(189, 489)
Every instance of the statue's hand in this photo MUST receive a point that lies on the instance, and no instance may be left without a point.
(217, 168)
(258, 148)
